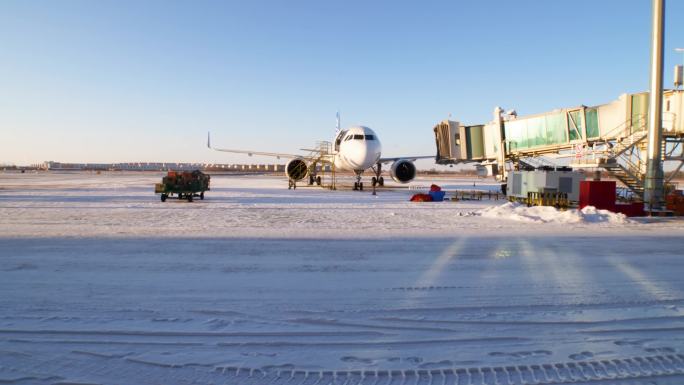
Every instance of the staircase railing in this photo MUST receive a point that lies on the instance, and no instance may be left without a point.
(627, 143)
(633, 167)
(536, 162)
(620, 139)
(626, 128)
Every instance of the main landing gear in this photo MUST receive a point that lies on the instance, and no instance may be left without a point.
(377, 180)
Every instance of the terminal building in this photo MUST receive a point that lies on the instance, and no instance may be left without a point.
(611, 137)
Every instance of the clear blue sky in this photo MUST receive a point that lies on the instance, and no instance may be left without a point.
(109, 81)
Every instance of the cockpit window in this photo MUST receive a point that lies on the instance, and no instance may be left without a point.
(340, 137)
(348, 137)
(358, 137)
(370, 137)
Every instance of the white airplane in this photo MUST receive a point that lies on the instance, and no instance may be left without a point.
(354, 149)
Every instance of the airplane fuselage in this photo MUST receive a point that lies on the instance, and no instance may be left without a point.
(358, 149)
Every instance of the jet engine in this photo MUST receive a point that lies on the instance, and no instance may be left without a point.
(403, 171)
(296, 169)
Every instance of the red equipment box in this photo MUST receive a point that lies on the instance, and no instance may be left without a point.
(634, 209)
(597, 193)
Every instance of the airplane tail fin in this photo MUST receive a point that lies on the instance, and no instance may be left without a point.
(337, 123)
(208, 139)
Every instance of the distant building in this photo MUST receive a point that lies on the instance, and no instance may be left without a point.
(158, 166)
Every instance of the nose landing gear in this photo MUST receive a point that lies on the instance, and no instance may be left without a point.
(376, 180)
(315, 179)
(358, 185)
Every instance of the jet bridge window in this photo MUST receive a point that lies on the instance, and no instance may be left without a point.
(575, 126)
(370, 137)
(592, 122)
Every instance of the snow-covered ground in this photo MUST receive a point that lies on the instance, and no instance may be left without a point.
(101, 283)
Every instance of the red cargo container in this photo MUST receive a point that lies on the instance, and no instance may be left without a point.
(597, 193)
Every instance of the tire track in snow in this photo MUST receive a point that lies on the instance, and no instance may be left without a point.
(633, 369)
(533, 323)
(106, 370)
(151, 333)
(336, 323)
(378, 343)
(430, 276)
(589, 304)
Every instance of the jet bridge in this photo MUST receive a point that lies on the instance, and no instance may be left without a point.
(609, 136)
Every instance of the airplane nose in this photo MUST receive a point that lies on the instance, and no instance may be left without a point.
(358, 157)
(370, 158)
(364, 157)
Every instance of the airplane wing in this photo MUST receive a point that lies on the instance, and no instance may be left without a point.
(411, 158)
(250, 153)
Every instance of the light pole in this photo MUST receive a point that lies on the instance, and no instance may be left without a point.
(653, 191)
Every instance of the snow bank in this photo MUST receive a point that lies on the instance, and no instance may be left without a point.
(546, 214)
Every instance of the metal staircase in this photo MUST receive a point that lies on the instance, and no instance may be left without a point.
(321, 157)
(635, 183)
(623, 157)
(621, 153)
(534, 163)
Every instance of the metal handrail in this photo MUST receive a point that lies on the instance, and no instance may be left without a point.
(639, 122)
(324, 147)
(632, 168)
(621, 147)
(537, 162)
(670, 118)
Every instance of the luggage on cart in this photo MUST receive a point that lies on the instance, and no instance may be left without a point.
(185, 184)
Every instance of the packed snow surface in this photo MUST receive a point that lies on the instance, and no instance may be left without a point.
(101, 283)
